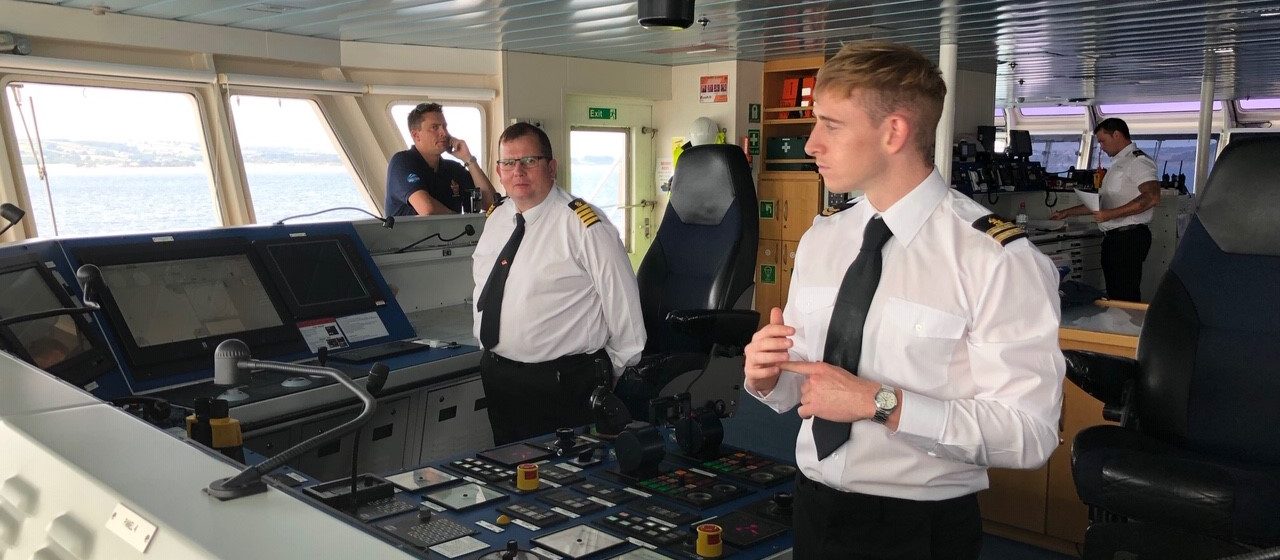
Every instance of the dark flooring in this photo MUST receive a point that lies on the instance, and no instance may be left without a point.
(999, 548)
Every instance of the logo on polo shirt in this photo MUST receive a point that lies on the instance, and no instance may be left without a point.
(413, 178)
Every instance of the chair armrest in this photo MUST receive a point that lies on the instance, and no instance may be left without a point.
(732, 327)
(1107, 378)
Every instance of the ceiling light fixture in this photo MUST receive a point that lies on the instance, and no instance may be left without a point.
(700, 51)
(665, 14)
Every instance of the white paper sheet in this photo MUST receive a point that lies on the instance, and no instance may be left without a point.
(1092, 201)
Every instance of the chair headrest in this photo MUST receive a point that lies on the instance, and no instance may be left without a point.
(706, 181)
(1238, 204)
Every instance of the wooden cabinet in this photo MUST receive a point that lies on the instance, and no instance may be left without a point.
(799, 198)
(1041, 506)
(768, 278)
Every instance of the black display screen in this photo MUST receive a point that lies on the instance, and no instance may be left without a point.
(172, 302)
(63, 345)
(320, 276)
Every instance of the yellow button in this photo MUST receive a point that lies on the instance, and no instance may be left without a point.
(504, 519)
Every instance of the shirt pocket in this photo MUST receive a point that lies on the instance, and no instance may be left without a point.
(922, 341)
(814, 307)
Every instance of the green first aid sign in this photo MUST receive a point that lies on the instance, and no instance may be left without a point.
(602, 113)
(768, 274)
(753, 142)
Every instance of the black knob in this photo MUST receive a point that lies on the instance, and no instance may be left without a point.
(564, 440)
(424, 514)
(513, 550)
(782, 501)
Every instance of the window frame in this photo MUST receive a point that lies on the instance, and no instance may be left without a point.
(628, 193)
(344, 153)
(9, 122)
(483, 158)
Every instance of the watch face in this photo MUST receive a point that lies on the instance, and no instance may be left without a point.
(886, 400)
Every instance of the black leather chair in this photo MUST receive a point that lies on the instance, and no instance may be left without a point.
(696, 281)
(1197, 453)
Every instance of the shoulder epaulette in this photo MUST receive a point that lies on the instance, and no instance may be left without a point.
(584, 212)
(1138, 152)
(1000, 229)
(833, 210)
(494, 206)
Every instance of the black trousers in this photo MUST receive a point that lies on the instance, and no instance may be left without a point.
(1123, 251)
(830, 524)
(525, 400)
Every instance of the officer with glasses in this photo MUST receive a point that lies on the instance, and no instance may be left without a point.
(554, 295)
(420, 181)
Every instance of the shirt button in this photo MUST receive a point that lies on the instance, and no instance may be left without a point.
(919, 327)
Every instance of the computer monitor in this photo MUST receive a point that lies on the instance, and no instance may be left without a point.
(172, 302)
(322, 276)
(66, 345)
(1020, 143)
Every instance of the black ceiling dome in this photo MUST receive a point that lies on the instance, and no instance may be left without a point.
(666, 13)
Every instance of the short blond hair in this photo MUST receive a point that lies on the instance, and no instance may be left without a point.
(889, 78)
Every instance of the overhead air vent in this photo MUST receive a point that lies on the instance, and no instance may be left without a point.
(665, 14)
(272, 8)
(692, 49)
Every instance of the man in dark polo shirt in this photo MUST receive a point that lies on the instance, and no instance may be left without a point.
(421, 182)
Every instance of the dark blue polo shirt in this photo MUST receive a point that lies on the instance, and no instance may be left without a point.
(408, 172)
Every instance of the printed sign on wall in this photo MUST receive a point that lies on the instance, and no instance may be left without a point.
(713, 89)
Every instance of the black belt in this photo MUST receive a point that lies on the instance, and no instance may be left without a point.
(1129, 227)
(562, 361)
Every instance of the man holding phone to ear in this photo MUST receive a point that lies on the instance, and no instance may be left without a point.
(422, 182)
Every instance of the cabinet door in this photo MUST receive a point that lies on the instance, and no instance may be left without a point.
(799, 201)
(1016, 498)
(786, 270)
(768, 281)
(769, 206)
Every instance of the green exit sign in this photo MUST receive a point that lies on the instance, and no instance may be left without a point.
(607, 113)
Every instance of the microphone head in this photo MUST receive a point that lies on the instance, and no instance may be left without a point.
(11, 213)
(389, 222)
(469, 230)
(377, 378)
(226, 361)
(87, 276)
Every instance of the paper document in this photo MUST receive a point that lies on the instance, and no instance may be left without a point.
(1090, 200)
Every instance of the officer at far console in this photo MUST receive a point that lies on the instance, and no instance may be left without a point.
(420, 181)
(554, 293)
(1130, 191)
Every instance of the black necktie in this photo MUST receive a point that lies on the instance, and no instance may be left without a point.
(490, 304)
(844, 333)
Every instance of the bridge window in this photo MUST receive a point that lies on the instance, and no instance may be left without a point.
(465, 122)
(1173, 154)
(99, 160)
(293, 162)
(1056, 152)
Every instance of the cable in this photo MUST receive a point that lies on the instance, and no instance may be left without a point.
(468, 230)
(387, 222)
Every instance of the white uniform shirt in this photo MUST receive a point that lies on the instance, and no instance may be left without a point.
(1120, 185)
(967, 328)
(571, 289)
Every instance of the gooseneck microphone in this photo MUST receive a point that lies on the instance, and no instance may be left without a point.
(387, 222)
(230, 360)
(87, 275)
(11, 214)
(373, 384)
(466, 230)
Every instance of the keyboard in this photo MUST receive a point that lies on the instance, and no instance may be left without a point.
(378, 351)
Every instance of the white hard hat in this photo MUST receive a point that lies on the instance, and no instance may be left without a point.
(703, 131)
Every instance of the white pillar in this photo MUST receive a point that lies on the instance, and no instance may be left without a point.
(1206, 120)
(947, 64)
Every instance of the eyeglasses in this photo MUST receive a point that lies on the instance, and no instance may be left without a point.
(527, 162)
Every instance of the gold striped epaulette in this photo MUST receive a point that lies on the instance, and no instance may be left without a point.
(1000, 229)
(584, 212)
(833, 210)
(494, 206)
